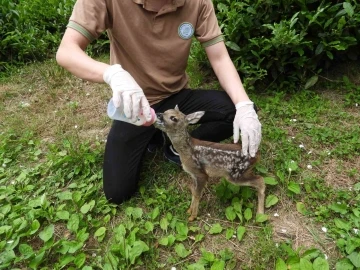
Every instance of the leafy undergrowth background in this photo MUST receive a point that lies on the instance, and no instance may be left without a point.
(53, 214)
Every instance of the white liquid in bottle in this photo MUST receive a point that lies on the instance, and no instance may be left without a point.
(118, 114)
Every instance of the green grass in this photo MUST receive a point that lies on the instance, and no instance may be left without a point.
(53, 214)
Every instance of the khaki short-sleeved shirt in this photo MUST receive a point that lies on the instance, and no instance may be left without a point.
(152, 46)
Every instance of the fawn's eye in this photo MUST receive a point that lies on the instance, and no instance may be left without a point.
(173, 118)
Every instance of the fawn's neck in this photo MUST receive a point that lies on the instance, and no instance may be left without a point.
(181, 142)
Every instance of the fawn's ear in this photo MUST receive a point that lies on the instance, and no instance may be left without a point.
(193, 118)
(177, 108)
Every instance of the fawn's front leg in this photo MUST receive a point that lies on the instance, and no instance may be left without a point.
(199, 182)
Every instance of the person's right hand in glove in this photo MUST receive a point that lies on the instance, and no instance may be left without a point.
(127, 92)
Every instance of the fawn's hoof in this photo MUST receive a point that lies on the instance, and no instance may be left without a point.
(192, 218)
(189, 211)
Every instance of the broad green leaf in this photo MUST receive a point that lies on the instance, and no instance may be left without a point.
(320, 264)
(216, 229)
(340, 26)
(271, 200)
(155, 213)
(26, 250)
(342, 224)
(171, 239)
(87, 207)
(247, 214)
(240, 232)
(100, 232)
(137, 213)
(47, 233)
(35, 225)
(311, 254)
(182, 229)
(300, 207)
(77, 195)
(330, 55)
(5, 209)
(270, 181)
(319, 49)
(199, 237)
(311, 82)
(339, 208)
(74, 246)
(232, 45)
(207, 256)
(63, 215)
(292, 165)
(218, 265)
(355, 258)
(113, 261)
(87, 268)
(73, 223)
(226, 254)
(261, 218)
(82, 235)
(164, 223)
(6, 228)
(7, 256)
(222, 8)
(344, 264)
(230, 213)
(181, 251)
(66, 259)
(293, 262)
(294, 187)
(280, 264)
(229, 233)
(138, 248)
(37, 260)
(305, 264)
(65, 196)
(149, 227)
(164, 241)
(348, 8)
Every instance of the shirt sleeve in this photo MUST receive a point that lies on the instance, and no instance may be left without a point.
(207, 29)
(90, 18)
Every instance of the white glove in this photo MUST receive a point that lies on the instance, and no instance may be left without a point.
(247, 121)
(127, 92)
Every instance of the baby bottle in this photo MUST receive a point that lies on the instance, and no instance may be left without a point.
(118, 114)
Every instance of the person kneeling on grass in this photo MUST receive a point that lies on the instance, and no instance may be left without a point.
(149, 47)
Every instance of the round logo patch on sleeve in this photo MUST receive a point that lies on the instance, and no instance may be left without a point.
(186, 30)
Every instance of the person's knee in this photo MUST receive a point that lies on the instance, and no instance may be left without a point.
(119, 195)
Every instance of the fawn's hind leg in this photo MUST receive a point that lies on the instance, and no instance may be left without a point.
(257, 182)
(196, 188)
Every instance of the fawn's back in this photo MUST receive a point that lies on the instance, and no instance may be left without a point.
(219, 160)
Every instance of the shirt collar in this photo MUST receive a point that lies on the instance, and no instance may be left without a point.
(174, 3)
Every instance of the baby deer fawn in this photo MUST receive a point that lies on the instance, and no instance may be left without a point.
(202, 159)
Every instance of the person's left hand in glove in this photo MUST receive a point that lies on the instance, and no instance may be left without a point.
(247, 121)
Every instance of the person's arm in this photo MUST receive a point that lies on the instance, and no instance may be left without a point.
(71, 55)
(226, 73)
(246, 118)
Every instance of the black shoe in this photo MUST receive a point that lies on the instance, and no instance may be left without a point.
(152, 147)
(171, 154)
